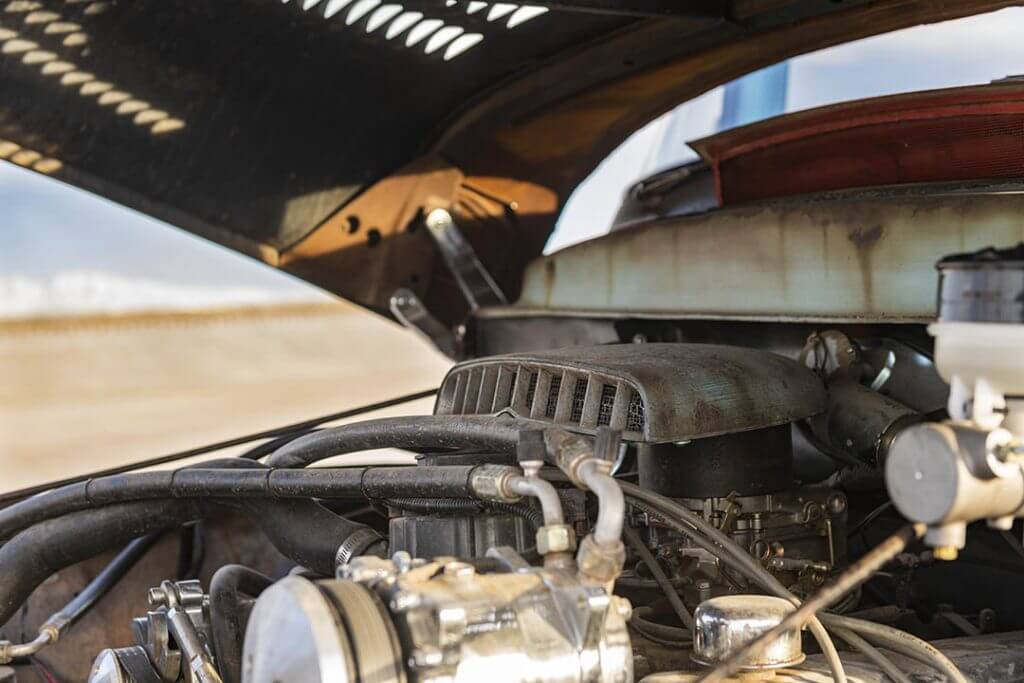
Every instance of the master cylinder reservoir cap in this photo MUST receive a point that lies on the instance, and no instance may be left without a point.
(725, 624)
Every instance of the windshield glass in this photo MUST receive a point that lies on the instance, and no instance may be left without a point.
(921, 58)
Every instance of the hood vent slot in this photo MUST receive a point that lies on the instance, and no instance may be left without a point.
(571, 398)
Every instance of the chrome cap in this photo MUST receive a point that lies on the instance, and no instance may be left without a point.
(724, 624)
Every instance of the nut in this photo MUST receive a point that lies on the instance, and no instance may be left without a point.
(555, 538)
(569, 452)
(622, 607)
(600, 564)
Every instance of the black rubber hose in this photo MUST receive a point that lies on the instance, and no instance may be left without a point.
(308, 533)
(641, 621)
(465, 506)
(267, 447)
(233, 590)
(225, 480)
(37, 553)
(434, 432)
(103, 582)
(43, 549)
(647, 557)
(531, 514)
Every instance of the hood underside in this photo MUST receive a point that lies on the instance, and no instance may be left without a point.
(314, 135)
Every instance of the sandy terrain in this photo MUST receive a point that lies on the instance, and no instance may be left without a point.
(78, 395)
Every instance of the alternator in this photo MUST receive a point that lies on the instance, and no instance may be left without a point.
(443, 620)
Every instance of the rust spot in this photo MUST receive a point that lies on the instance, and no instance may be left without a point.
(549, 280)
(865, 238)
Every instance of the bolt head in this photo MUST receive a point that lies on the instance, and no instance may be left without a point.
(156, 597)
(622, 607)
(836, 503)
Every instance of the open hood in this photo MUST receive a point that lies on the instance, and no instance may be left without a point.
(314, 135)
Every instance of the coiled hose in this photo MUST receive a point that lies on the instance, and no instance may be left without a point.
(531, 514)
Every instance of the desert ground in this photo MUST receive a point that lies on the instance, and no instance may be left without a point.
(80, 394)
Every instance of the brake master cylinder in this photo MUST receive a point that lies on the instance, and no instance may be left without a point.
(968, 468)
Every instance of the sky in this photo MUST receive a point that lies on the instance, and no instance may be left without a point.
(970, 51)
(67, 251)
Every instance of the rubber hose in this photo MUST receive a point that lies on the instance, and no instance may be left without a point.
(871, 654)
(434, 432)
(43, 549)
(37, 553)
(105, 580)
(462, 505)
(714, 541)
(647, 557)
(267, 447)
(641, 621)
(233, 589)
(899, 641)
(243, 479)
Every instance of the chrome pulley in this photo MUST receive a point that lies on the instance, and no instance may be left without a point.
(438, 621)
(306, 632)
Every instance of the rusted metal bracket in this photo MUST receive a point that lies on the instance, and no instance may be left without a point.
(476, 283)
(410, 311)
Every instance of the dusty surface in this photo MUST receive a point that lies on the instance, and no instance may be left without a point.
(79, 395)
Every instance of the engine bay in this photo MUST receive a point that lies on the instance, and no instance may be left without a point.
(737, 438)
(654, 510)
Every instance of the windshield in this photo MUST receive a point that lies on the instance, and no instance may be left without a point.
(921, 58)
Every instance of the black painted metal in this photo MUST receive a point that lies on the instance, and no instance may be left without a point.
(747, 464)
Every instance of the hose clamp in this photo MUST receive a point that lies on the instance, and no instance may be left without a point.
(356, 544)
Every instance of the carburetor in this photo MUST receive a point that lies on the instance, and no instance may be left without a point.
(438, 620)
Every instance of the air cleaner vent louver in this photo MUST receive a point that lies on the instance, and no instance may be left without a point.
(655, 393)
(561, 396)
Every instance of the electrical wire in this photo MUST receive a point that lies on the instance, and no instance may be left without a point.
(899, 641)
(872, 655)
(687, 523)
(43, 670)
(1013, 542)
(868, 519)
(718, 544)
(636, 543)
(854, 575)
